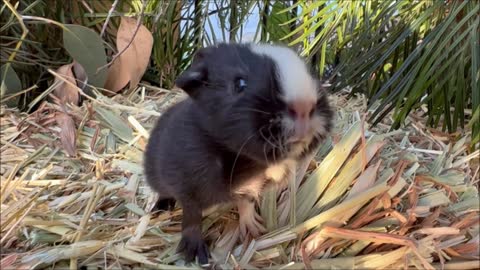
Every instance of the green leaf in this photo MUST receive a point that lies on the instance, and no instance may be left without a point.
(135, 209)
(115, 123)
(276, 26)
(86, 47)
(475, 117)
(322, 58)
(11, 85)
(475, 81)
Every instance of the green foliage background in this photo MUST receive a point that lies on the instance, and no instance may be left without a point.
(402, 55)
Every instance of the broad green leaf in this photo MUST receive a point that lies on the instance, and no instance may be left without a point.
(86, 47)
(10, 85)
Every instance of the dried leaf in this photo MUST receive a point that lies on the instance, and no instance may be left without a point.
(368, 236)
(68, 135)
(80, 74)
(132, 63)
(66, 92)
(8, 260)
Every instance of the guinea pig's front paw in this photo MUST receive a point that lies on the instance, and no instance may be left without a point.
(249, 221)
(252, 225)
(194, 246)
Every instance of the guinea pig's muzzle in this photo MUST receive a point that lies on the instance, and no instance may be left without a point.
(301, 113)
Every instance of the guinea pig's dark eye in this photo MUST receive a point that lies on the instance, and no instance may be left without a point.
(240, 85)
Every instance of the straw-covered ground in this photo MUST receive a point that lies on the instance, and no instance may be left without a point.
(73, 196)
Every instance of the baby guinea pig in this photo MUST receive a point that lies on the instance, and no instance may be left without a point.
(253, 112)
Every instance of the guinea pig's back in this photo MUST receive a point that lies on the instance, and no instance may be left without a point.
(159, 158)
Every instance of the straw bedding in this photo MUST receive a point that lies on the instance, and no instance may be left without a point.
(73, 196)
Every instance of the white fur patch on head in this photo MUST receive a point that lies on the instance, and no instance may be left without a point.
(296, 82)
(299, 91)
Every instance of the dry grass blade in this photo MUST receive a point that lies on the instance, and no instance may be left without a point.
(364, 181)
(368, 236)
(315, 185)
(348, 173)
(372, 205)
(376, 237)
(325, 216)
(58, 253)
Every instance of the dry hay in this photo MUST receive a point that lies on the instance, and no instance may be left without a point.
(376, 199)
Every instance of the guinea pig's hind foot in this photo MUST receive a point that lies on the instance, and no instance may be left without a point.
(162, 204)
(250, 221)
(192, 245)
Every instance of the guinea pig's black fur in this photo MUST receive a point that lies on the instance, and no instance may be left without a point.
(216, 145)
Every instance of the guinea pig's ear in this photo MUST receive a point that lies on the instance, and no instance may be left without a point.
(194, 76)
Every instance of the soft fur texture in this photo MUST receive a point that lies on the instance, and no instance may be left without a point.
(234, 133)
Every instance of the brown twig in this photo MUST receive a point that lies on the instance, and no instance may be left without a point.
(87, 7)
(114, 5)
(139, 23)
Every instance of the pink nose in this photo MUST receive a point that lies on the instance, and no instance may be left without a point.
(300, 111)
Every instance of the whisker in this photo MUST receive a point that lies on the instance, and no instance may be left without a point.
(239, 152)
(254, 110)
(277, 146)
(265, 153)
(280, 146)
(264, 99)
(267, 140)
